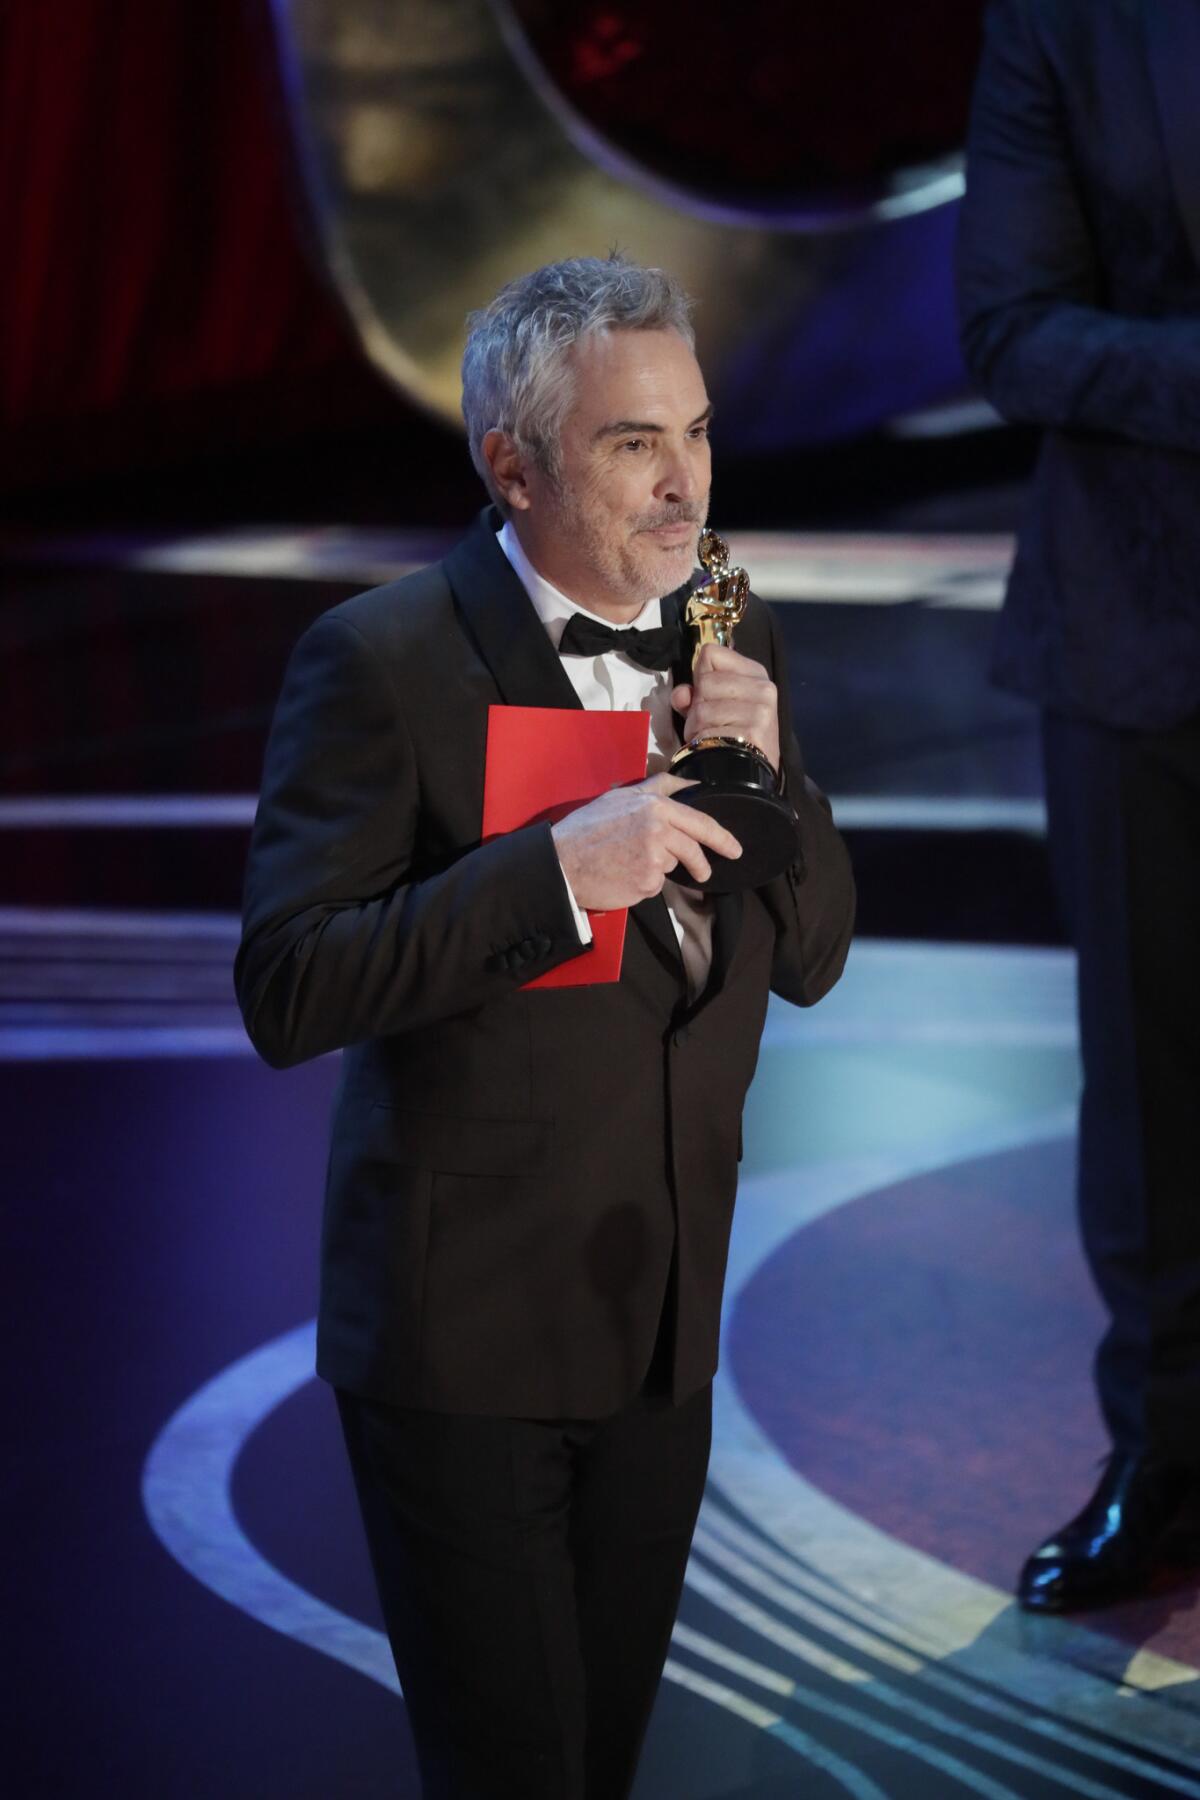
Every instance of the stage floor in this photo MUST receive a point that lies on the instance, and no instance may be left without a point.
(903, 1408)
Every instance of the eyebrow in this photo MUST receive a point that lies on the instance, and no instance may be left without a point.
(621, 427)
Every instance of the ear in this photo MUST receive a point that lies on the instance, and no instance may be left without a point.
(508, 466)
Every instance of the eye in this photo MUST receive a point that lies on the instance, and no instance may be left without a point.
(634, 444)
(699, 432)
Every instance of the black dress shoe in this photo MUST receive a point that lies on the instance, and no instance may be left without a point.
(1110, 1549)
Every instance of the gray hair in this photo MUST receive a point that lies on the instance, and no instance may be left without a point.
(516, 374)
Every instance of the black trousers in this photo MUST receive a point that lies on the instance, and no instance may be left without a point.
(529, 1573)
(1124, 817)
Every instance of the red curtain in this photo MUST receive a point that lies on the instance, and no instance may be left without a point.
(156, 298)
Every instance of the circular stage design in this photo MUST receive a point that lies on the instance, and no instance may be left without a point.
(921, 1355)
(903, 1407)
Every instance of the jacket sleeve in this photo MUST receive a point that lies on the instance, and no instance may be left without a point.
(340, 942)
(812, 902)
(1037, 337)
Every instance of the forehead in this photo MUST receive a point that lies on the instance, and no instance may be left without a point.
(646, 376)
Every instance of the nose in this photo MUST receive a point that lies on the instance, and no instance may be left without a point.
(679, 479)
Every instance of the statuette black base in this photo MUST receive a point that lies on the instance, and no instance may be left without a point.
(738, 788)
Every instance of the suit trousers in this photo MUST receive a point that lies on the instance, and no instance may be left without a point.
(1124, 820)
(529, 1572)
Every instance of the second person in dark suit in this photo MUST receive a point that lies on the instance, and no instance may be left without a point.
(1079, 282)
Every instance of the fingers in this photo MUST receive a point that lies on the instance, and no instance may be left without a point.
(665, 783)
(621, 847)
(687, 854)
(713, 657)
(697, 825)
(683, 834)
(714, 662)
(730, 687)
(728, 680)
(733, 696)
(703, 829)
(716, 670)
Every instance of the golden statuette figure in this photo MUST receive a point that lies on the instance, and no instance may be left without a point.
(715, 606)
(735, 783)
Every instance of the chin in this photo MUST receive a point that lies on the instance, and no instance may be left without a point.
(675, 566)
(666, 568)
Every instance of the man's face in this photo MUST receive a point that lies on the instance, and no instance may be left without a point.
(619, 524)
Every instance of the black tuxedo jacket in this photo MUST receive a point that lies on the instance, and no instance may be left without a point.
(518, 1181)
(1079, 284)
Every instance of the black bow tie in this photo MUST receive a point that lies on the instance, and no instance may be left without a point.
(656, 649)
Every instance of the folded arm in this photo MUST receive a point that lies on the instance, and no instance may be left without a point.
(340, 943)
(812, 903)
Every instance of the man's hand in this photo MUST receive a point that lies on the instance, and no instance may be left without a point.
(730, 696)
(622, 846)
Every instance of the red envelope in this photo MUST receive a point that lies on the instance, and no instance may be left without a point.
(543, 762)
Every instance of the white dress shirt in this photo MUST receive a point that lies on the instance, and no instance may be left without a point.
(613, 683)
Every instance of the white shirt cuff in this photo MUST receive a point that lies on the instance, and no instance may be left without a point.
(583, 924)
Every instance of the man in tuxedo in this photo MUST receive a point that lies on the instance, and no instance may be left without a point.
(530, 1190)
(1079, 278)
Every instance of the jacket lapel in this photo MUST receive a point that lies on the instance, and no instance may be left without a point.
(503, 622)
(726, 929)
(727, 908)
(1172, 29)
(652, 915)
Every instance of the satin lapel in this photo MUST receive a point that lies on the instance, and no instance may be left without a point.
(727, 926)
(672, 608)
(501, 618)
(727, 908)
(652, 915)
(655, 923)
(1172, 29)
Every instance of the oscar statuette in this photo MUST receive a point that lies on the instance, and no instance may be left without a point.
(736, 784)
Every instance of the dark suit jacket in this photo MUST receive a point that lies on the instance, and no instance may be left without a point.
(1079, 284)
(517, 1180)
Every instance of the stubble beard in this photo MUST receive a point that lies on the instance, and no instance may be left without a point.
(632, 567)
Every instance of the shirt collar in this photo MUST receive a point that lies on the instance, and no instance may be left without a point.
(553, 607)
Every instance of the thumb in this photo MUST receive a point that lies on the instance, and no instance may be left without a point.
(681, 698)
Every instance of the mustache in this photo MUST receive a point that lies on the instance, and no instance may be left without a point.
(672, 515)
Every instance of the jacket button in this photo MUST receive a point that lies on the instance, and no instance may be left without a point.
(680, 1036)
